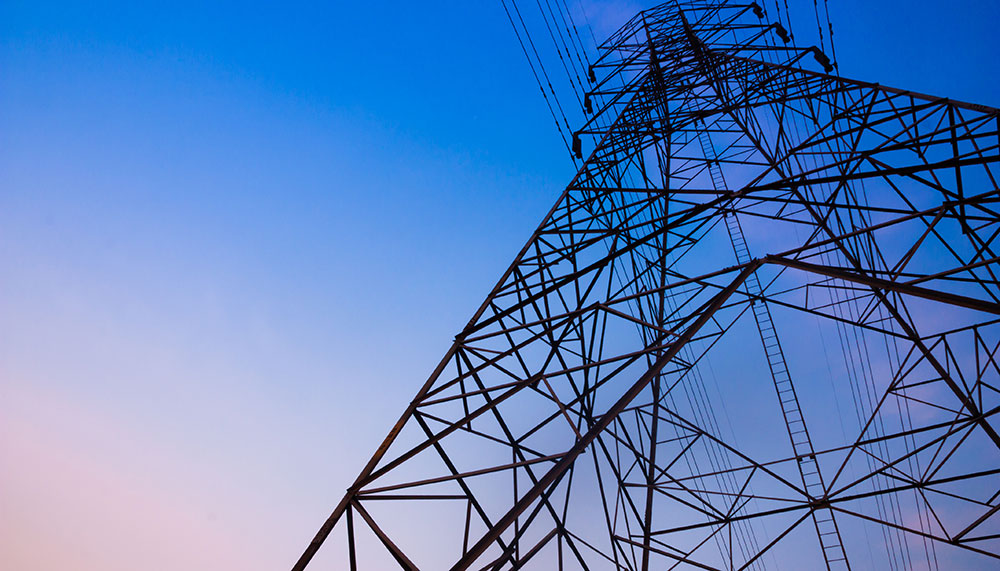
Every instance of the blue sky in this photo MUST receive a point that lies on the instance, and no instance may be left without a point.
(234, 239)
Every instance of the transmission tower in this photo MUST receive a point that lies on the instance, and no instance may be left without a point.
(758, 330)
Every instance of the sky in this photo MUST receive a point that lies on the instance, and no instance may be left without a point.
(236, 237)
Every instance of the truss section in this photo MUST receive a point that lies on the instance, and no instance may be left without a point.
(617, 401)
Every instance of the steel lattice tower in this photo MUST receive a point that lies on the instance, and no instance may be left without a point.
(757, 330)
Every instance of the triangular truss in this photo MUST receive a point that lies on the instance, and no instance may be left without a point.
(759, 329)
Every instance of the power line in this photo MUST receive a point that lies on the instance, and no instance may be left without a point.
(534, 72)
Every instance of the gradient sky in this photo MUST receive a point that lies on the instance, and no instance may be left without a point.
(234, 240)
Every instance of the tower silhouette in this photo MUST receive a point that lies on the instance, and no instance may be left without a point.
(759, 329)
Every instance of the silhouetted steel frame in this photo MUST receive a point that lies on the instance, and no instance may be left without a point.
(554, 473)
(878, 286)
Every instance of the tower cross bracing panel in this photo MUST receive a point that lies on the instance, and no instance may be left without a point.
(758, 330)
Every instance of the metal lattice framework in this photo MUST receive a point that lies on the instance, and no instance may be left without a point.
(759, 329)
